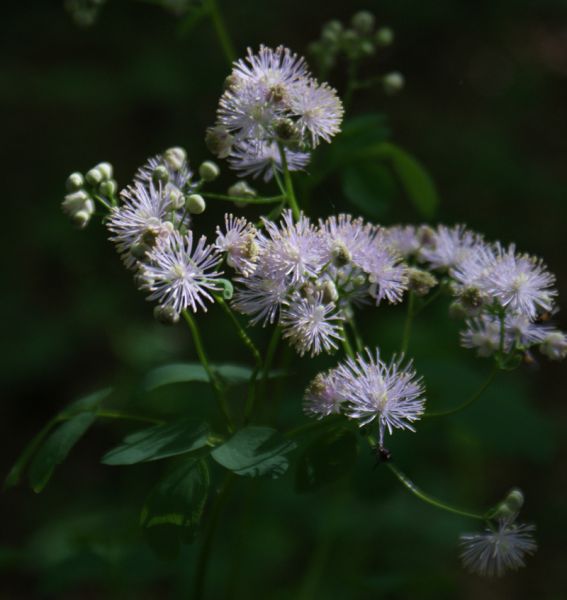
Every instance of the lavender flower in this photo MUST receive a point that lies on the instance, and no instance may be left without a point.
(498, 550)
(449, 246)
(238, 242)
(321, 398)
(143, 218)
(387, 273)
(389, 393)
(180, 275)
(310, 324)
(554, 345)
(260, 296)
(404, 239)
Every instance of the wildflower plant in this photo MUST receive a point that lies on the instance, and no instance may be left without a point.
(305, 280)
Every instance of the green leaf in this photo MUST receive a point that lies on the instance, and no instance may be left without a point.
(56, 448)
(195, 372)
(173, 509)
(161, 441)
(255, 451)
(411, 175)
(328, 458)
(88, 403)
(371, 187)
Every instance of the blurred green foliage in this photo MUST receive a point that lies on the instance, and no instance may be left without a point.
(483, 110)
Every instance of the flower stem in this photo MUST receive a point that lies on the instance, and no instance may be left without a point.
(418, 493)
(290, 193)
(255, 353)
(213, 378)
(469, 401)
(270, 355)
(347, 345)
(205, 552)
(118, 414)
(221, 31)
(268, 200)
(408, 323)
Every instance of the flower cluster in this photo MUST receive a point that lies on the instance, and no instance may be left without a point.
(506, 296)
(307, 277)
(272, 110)
(368, 389)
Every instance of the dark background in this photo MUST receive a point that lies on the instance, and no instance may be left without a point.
(483, 110)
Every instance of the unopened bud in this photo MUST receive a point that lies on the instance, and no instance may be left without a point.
(367, 48)
(285, 129)
(209, 171)
(93, 177)
(175, 158)
(472, 300)
(554, 345)
(108, 188)
(160, 174)
(426, 236)
(393, 82)
(75, 182)
(196, 204)
(457, 311)
(515, 499)
(166, 315)
(363, 22)
(76, 202)
(105, 169)
(341, 254)
(81, 219)
(241, 190)
(384, 36)
(334, 26)
(219, 141)
(421, 282)
(330, 293)
(231, 82)
(175, 197)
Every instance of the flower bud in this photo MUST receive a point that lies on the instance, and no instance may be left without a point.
(330, 293)
(384, 36)
(81, 219)
(175, 197)
(175, 158)
(139, 250)
(160, 174)
(471, 299)
(75, 182)
(93, 177)
(334, 27)
(105, 169)
(367, 48)
(108, 188)
(393, 82)
(341, 254)
(421, 282)
(75, 202)
(363, 22)
(426, 236)
(242, 190)
(166, 315)
(457, 311)
(286, 130)
(196, 204)
(209, 170)
(231, 82)
(515, 499)
(554, 345)
(219, 141)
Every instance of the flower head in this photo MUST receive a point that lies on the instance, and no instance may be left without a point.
(180, 275)
(449, 246)
(321, 398)
(239, 244)
(372, 390)
(498, 550)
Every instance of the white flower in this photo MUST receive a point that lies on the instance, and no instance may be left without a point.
(179, 275)
(498, 550)
(449, 247)
(238, 242)
(389, 393)
(310, 324)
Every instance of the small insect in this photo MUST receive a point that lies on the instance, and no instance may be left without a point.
(381, 453)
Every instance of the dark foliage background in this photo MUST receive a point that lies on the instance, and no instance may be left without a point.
(483, 109)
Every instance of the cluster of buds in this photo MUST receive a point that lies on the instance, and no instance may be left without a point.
(96, 184)
(355, 42)
(84, 12)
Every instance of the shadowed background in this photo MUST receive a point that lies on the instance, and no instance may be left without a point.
(483, 110)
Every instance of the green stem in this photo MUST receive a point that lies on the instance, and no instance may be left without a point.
(268, 362)
(469, 401)
(213, 378)
(255, 353)
(221, 31)
(408, 323)
(205, 552)
(418, 493)
(427, 302)
(357, 337)
(118, 414)
(347, 345)
(290, 193)
(245, 200)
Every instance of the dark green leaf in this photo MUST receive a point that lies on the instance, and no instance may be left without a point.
(255, 451)
(329, 457)
(56, 448)
(161, 441)
(173, 509)
(88, 403)
(371, 187)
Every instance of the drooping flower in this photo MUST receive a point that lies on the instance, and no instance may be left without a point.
(180, 274)
(372, 390)
(321, 397)
(310, 324)
(498, 550)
